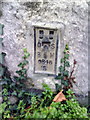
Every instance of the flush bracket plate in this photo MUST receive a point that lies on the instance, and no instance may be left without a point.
(45, 50)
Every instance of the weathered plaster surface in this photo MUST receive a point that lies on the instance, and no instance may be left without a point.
(73, 14)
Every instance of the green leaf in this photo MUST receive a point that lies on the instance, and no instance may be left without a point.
(62, 81)
(19, 72)
(24, 71)
(20, 94)
(12, 84)
(62, 60)
(25, 49)
(22, 64)
(66, 56)
(58, 87)
(70, 92)
(67, 47)
(66, 73)
(8, 116)
(65, 51)
(14, 93)
(2, 107)
(61, 68)
(5, 91)
(20, 104)
(67, 64)
(25, 62)
(66, 83)
(58, 77)
(26, 55)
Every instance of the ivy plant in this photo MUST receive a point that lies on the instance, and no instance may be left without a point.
(64, 75)
(56, 110)
(22, 72)
(15, 87)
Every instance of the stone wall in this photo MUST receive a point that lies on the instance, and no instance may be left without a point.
(18, 18)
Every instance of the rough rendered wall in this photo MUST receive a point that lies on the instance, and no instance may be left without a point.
(72, 13)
